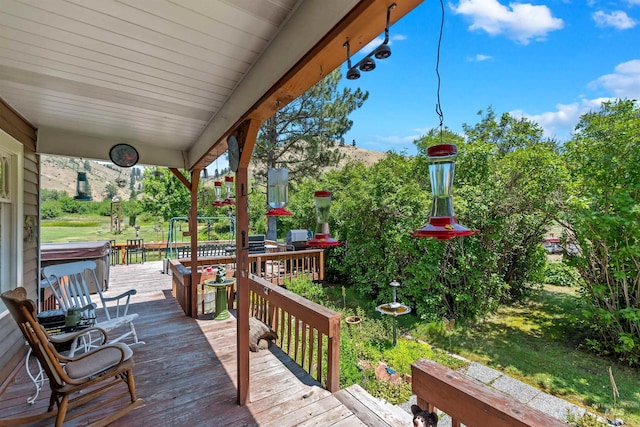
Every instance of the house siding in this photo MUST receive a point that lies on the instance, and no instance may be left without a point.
(12, 348)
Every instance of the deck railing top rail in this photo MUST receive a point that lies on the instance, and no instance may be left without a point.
(470, 402)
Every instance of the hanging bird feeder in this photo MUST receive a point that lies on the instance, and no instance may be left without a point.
(228, 183)
(278, 191)
(82, 188)
(442, 221)
(217, 191)
(322, 239)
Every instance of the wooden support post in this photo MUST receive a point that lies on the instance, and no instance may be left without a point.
(246, 136)
(193, 231)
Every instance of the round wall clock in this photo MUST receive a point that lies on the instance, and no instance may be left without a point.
(123, 155)
(233, 152)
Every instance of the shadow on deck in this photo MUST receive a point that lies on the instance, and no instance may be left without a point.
(186, 372)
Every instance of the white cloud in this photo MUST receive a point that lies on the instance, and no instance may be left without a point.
(617, 19)
(521, 22)
(479, 58)
(378, 41)
(624, 82)
(561, 123)
(633, 2)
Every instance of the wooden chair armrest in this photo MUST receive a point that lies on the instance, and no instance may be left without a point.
(70, 336)
(122, 295)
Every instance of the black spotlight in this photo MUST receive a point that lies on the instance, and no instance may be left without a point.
(382, 52)
(353, 73)
(367, 64)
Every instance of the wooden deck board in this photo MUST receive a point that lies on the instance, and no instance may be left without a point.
(186, 372)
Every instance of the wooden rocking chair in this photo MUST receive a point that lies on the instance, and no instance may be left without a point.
(103, 367)
(70, 283)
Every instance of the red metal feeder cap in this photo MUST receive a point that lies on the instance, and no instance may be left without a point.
(442, 150)
(323, 241)
(443, 228)
(279, 212)
(322, 194)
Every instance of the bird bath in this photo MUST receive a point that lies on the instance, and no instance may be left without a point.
(394, 308)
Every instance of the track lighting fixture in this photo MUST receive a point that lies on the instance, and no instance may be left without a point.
(382, 52)
(367, 63)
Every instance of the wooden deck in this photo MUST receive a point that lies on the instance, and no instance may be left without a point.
(186, 371)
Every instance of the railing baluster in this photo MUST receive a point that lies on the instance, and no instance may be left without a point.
(311, 324)
(304, 344)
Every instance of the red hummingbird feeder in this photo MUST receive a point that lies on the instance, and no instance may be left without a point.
(322, 239)
(442, 221)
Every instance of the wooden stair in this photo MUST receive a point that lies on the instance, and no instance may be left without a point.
(372, 411)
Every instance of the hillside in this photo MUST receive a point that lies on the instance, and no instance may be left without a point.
(60, 173)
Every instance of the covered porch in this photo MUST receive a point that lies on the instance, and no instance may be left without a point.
(187, 372)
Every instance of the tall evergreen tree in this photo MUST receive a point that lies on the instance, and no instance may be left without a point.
(302, 135)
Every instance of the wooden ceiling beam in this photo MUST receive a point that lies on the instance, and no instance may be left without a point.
(361, 25)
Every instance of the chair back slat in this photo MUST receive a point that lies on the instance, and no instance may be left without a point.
(69, 284)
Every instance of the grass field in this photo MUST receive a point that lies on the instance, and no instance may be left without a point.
(94, 228)
(539, 342)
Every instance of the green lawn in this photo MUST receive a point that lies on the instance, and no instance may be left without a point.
(539, 343)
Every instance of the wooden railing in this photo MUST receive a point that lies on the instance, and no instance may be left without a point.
(274, 266)
(469, 401)
(181, 286)
(308, 332)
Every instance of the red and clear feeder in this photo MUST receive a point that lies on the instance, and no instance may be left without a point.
(322, 239)
(217, 191)
(278, 191)
(228, 183)
(442, 221)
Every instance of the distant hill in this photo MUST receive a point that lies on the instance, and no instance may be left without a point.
(60, 173)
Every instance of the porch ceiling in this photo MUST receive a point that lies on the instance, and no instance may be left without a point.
(171, 77)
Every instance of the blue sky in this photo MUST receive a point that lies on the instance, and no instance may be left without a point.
(549, 61)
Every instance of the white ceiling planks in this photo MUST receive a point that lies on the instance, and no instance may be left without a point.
(170, 77)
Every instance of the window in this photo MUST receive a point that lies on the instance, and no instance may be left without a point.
(11, 175)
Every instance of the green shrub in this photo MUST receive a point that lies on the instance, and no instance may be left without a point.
(560, 274)
(405, 353)
(392, 393)
(305, 287)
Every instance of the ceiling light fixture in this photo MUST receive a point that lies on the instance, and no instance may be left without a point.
(367, 63)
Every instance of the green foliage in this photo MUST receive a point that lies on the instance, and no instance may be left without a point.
(400, 357)
(561, 274)
(50, 209)
(510, 187)
(304, 286)
(603, 212)
(164, 195)
(46, 195)
(301, 136)
(392, 393)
